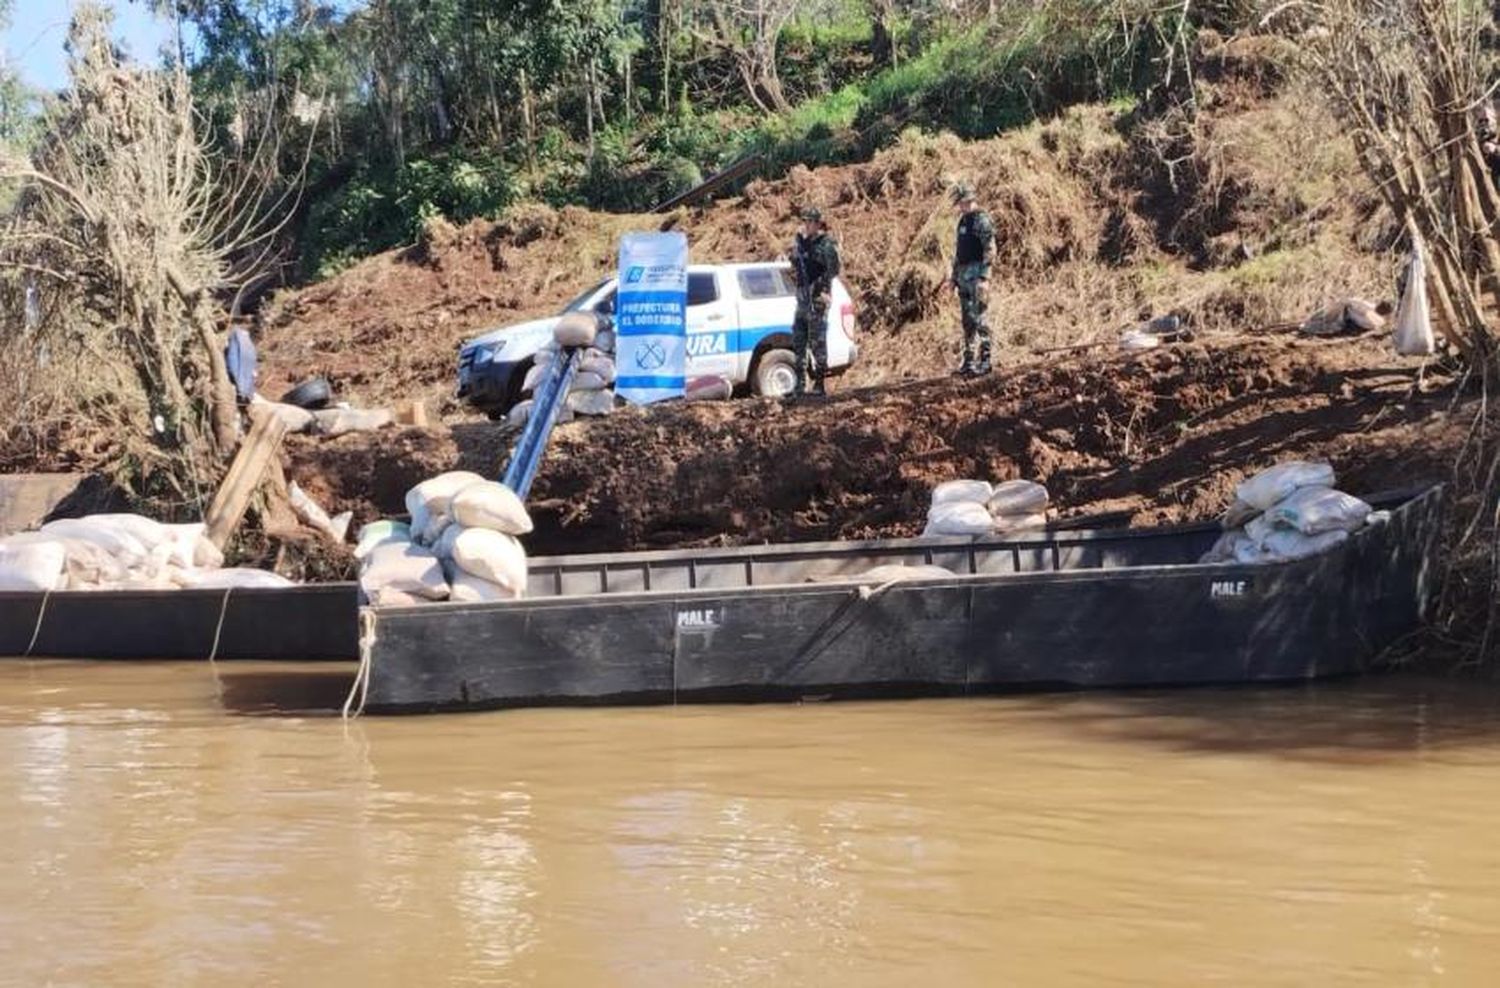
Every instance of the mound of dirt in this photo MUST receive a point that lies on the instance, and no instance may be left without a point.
(1156, 437)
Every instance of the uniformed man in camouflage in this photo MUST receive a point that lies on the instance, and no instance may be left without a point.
(815, 262)
(971, 279)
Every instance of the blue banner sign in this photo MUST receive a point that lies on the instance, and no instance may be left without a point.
(651, 317)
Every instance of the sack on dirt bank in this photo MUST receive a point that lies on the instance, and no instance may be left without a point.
(296, 419)
(1275, 484)
(971, 491)
(1363, 316)
(492, 556)
(338, 421)
(714, 387)
(1017, 497)
(585, 381)
(466, 588)
(1315, 510)
(32, 567)
(403, 567)
(535, 374)
(959, 518)
(519, 414)
(312, 514)
(380, 533)
(576, 329)
(491, 505)
(1011, 524)
(591, 403)
(600, 365)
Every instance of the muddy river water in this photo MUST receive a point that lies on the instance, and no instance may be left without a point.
(186, 825)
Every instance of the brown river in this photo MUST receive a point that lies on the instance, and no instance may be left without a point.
(188, 824)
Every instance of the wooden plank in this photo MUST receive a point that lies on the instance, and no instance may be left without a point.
(245, 475)
(738, 169)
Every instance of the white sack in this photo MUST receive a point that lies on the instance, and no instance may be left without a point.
(403, 567)
(959, 518)
(192, 547)
(1018, 497)
(1315, 510)
(576, 329)
(535, 374)
(380, 533)
(240, 578)
(148, 532)
(974, 491)
(1007, 524)
(591, 403)
(1238, 514)
(585, 381)
(338, 421)
(35, 566)
(1285, 545)
(124, 547)
(491, 556)
(519, 413)
(433, 530)
(297, 419)
(1413, 331)
(434, 493)
(600, 366)
(466, 588)
(312, 514)
(1277, 483)
(491, 505)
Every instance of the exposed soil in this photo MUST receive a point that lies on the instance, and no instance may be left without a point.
(1156, 437)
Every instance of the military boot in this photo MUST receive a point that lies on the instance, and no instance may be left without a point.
(966, 369)
(819, 390)
(982, 367)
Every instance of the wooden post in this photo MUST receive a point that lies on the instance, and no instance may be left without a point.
(245, 475)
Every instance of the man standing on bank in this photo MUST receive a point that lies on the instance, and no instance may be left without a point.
(815, 262)
(971, 279)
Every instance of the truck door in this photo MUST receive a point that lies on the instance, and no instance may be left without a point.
(710, 326)
(767, 306)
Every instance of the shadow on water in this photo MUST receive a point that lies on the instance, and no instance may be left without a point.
(1354, 720)
(293, 691)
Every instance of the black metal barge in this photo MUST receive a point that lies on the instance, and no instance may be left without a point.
(1055, 610)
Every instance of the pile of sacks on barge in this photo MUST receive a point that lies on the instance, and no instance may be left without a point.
(1289, 511)
(461, 544)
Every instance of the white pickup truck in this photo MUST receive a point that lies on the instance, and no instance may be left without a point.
(739, 325)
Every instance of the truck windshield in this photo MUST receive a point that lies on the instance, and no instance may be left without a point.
(577, 303)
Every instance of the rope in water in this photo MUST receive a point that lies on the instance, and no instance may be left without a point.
(361, 684)
(213, 653)
(36, 631)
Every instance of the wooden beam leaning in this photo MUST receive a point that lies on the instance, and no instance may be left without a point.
(244, 476)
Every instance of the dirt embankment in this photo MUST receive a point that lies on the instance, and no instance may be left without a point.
(1249, 214)
(1157, 437)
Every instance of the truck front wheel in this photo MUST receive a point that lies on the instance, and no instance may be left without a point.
(775, 374)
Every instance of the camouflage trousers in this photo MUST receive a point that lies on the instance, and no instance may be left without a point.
(974, 303)
(810, 327)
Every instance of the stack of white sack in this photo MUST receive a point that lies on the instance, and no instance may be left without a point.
(120, 552)
(461, 545)
(977, 507)
(1289, 511)
(591, 391)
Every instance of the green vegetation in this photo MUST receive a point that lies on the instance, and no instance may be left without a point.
(395, 111)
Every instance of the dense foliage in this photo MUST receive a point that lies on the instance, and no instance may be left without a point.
(395, 111)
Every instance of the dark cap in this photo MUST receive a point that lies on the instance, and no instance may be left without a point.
(962, 192)
(812, 214)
